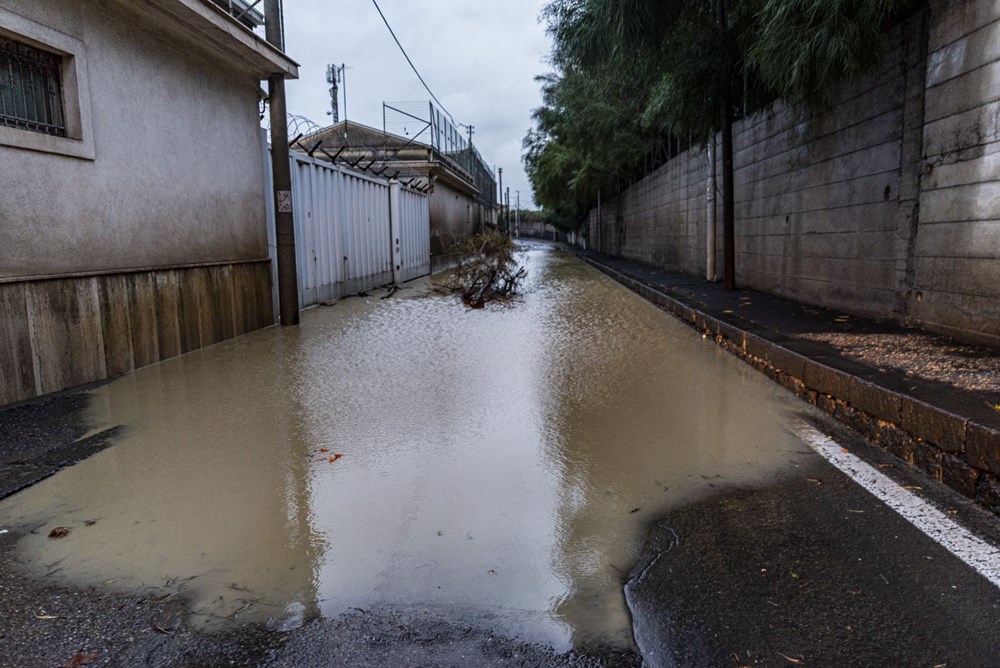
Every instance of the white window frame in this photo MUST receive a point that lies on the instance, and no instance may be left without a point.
(79, 139)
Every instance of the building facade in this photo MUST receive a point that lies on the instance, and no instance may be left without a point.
(132, 204)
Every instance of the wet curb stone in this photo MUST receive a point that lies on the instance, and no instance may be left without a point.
(956, 449)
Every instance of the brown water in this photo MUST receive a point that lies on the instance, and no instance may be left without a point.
(493, 461)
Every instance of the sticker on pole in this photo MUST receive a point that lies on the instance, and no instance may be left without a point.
(284, 201)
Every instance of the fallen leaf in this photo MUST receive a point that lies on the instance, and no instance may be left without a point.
(334, 457)
(80, 659)
(844, 451)
(790, 659)
(45, 618)
(917, 487)
(59, 532)
(324, 450)
(635, 510)
(795, 575)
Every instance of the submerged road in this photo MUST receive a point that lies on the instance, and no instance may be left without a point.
(571, 479)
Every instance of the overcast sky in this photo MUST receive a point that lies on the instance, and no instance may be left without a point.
(479, 57)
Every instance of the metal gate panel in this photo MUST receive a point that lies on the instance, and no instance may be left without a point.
(414, 235)
(367, 260)
(346, 229)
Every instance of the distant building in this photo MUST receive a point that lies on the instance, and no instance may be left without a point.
(132, 205)
(461, 187)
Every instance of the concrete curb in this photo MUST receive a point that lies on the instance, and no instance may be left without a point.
(955, 449)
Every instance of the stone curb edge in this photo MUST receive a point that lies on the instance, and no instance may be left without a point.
(954, 449)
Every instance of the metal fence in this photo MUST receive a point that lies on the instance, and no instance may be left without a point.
(429, 125)
(353, 232)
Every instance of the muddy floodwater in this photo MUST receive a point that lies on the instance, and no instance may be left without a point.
(500, 464)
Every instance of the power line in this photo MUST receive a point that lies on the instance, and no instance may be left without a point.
(412, 66)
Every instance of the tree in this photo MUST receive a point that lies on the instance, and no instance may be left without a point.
(632, 73)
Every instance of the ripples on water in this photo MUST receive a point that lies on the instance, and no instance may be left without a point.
(501, 463)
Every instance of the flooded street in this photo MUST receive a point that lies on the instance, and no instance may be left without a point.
(502, 464)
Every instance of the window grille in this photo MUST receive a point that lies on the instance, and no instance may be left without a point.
(31, 89)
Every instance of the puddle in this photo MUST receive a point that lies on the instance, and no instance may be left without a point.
(502, 463)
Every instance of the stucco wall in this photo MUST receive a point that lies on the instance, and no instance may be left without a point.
(177, 175)
(886, 205)
(453, 217)
(151, 242)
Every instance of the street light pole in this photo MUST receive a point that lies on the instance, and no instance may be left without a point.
(288, 288)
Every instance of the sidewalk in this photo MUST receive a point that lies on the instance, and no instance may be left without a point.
(925, 399)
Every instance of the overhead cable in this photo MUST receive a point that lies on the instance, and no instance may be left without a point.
(412, 66)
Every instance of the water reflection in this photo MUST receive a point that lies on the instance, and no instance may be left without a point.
(499, 463)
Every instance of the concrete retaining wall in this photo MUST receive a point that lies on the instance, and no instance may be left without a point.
(956, 256)
(886, 205)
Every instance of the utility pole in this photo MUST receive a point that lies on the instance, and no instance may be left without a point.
(728, 214)
(517, 215)
(343, 81)
(288, 282)
(501, 198)
(508, 207)
(470, 165)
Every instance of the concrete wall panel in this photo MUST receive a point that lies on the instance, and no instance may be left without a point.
(887, 204)
(65, 332)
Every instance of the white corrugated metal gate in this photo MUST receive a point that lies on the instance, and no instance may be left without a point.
(412, 236)
(353, 232)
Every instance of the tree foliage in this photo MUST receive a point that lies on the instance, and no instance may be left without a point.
(632, 75)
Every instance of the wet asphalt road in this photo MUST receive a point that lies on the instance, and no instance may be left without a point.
(810, 571)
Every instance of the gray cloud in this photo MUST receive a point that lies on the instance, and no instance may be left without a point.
(480, 59)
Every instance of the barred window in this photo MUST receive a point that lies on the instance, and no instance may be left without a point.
(31, 95)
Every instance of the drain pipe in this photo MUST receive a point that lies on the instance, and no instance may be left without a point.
(710, 273)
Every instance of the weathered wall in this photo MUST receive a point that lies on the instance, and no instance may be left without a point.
(956, 285)
(155, 244)
(177, 169)
(660, 219)
(452, 217)
(885, 205)
(59, 333)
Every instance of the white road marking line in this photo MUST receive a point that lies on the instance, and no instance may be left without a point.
(981, 556)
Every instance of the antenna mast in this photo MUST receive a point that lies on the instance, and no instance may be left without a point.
(333, 78)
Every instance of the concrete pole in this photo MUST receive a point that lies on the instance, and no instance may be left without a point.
(500, 219)
(288, 282)
(728, 213)
(710, 272)
(507, 196)
(517, 215)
